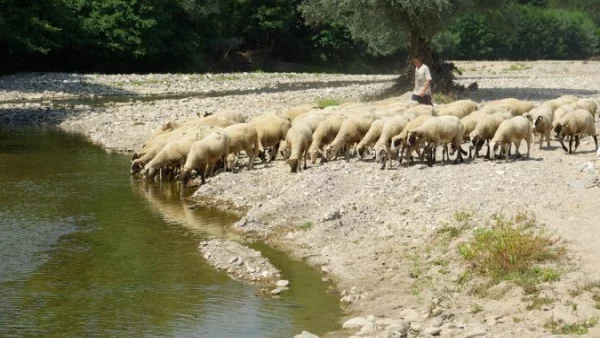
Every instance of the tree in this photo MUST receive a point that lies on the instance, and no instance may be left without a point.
(388, 25)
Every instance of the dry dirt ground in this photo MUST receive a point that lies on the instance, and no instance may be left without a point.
(381, 235)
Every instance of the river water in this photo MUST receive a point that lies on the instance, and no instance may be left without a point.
(85, 250)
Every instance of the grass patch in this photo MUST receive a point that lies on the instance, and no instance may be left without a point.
(464, 216)
(590, 287)
(228, 77)
(440, 98)
(512, 250)
(306, 226)
(475, 308)
(537, 303)
(518, 67)
(326, 102)
(560, 327)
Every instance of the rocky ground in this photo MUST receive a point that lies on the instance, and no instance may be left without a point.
(378, 234)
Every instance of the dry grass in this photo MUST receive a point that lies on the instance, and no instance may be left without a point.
(513, 250)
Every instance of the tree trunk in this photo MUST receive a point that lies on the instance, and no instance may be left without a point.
(419, 47)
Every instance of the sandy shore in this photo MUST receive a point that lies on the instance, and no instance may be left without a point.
(374, 232)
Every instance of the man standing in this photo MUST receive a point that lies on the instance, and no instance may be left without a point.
(422, 92)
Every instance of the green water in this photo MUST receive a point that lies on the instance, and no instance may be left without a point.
(87, 251)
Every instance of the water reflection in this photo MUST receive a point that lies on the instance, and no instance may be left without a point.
(165, 198)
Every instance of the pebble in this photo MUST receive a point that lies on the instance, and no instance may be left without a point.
(283, 283)
(355, 322)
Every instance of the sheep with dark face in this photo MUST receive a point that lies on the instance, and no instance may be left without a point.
(485, 131)
(576, 124)
(440, 130)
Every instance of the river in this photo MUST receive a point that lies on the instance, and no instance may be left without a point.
(85, 250)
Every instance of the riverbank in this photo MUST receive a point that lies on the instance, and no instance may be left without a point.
(373, 231)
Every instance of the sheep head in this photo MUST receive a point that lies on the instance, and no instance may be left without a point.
(293, 164)
(185, 176)
(538, 123)
(413, 138)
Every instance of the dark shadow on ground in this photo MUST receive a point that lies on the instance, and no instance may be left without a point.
(536, 94)
(72, 84)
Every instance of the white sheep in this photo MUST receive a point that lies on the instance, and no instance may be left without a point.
(576, 124)
(392, 127)
(153, 147)
(438, 130)
(542, 123)
(174, 153)
(485, 131)
(311, 119)
(560, 101)
(271, 130)
(351, 132)
(370, 137)
(299, 138)
(323, 135)
(401, 140)
(293, 112)
(231, 115)
(514, 131)
(559, 113)
(460, 108)
(418, 110)
(243, 136)
(205, 153)
(587, 104)
(518, 107)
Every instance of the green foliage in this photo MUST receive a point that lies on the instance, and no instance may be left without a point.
(560, 327)
(326, 102)
(534, 32)
(512, 250)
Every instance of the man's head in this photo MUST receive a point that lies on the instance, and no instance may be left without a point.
(418, 61)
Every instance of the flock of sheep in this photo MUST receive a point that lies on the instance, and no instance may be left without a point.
(393, 128)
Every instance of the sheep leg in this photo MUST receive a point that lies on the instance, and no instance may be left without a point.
(570, 143)
(576, 142)
(487, 155)
(275, 150)
(595, 141)
(305, 159)
(562, 143)
(517, 153)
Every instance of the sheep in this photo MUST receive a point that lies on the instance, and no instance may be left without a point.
(418, 110)
(234, 116)
(323, 135)
(470, 121)
(494, 107)
(587, 104)
(484, 131)
(460, 108)
(271, 130)
(401, 139)
(516, 107)
(370, 137)
(299, 138)
(391, 128)
(560, 101)
(292, 113)
(205, 153)
(542, 123)
(243, 136)
(351, 132)
(513, 131)
(559, 113)
(173, 153)
(154, 146)
(438, 130)
(576, 124)
(312, 119)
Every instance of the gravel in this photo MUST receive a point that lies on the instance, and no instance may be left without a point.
(370, 230)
